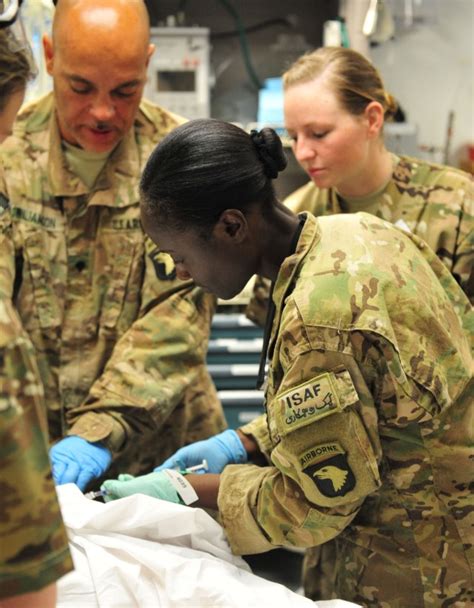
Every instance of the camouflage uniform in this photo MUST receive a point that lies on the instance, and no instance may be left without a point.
(368, 433)
(33, 543)
(434, 201)
(120, 342)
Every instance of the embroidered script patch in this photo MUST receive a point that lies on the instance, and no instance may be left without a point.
(306, 403)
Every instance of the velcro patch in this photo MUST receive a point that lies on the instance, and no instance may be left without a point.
(163, 264)
(320, 452)
(327, 467)
(4, 203)
(306, 403)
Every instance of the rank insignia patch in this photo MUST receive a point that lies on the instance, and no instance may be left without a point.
(329, 470)
(163, 264)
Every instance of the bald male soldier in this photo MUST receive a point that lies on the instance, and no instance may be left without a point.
(119, 341)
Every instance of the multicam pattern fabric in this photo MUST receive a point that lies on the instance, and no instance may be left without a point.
(120, 342)
(33, 542)
(435, 202)
(368, 432)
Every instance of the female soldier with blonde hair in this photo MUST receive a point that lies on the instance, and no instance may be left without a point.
(335, 106)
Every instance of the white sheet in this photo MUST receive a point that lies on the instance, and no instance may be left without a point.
(147, 553)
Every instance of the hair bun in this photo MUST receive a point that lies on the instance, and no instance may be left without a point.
(391, 105)
(270, 151)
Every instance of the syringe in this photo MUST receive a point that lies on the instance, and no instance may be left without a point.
(184, 471)
(194, 469)
(95, 494)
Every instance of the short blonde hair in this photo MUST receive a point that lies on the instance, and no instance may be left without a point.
(355, 80)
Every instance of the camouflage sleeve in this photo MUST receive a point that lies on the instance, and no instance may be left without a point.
(33, 542)
(256, 309)
(258, 429)
(325, 461)
(160, 356)
(306, 198)
(463, 259)
(7, 258)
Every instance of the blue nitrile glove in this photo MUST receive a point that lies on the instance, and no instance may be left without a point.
(219, 451)
(157, 485)
(75, 460)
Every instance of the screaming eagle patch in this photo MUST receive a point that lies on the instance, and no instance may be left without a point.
(327, 467)
(163, 264)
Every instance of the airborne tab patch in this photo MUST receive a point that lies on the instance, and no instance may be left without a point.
(306, 403)
(328, 469)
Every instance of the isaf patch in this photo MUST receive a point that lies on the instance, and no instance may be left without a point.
(163, 264)
(306, 403)
(327, 467)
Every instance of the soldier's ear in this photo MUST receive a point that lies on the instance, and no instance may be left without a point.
(231, 227)
(374, 115)
(48, 50)
(150, 51)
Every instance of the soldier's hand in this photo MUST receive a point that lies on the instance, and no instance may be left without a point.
(75, 460)
(219, 451)
(157, 485)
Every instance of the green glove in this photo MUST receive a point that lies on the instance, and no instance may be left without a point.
(157, 485)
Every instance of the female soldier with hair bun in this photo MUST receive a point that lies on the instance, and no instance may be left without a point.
(335, 106)
(365, 437)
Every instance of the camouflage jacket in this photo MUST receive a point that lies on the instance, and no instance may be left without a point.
(434, 202)
(120, 342)
(367, 429)
(33, 542)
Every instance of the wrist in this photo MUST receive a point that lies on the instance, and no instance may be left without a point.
(101, 427)
(249, 443)
(183, 488)
(234, 447)
(207, 488)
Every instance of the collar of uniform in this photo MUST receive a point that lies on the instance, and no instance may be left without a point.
(309, 235)
(63, 182)
(123, 171)
(334, 202)
(120, 167)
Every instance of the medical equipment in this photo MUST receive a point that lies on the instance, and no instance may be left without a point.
(178, 72)
(95, 494)
(184, 471)
(197, 467)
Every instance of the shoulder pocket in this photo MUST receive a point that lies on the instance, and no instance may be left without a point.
(324, 445)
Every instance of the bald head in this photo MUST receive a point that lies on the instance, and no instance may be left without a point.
(98, 56)
(101, 22)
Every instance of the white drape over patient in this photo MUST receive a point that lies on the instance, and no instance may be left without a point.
(147, 553)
